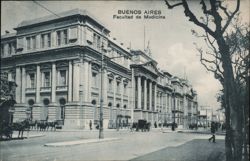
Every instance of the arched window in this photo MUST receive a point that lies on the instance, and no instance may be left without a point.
(62, 102)
(93, 102)
(46, 101)
(118, 105)
(31, 103)
(125, 106)
(110, 104)
(45, 109)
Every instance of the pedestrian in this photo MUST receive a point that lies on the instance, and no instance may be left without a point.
(90, 125)
(212, 132)
(155, 124)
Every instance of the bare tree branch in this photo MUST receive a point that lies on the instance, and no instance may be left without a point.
(224, 9)
(172, 6)
(193, 19)
(231, 17)
(204, 8)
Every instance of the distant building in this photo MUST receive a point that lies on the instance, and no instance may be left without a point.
(56, 63)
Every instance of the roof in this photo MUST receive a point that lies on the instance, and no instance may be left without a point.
(139, 52)
(8, 35)
(166, 73)
(59, 16)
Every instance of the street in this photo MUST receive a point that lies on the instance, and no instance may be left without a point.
(153, 145)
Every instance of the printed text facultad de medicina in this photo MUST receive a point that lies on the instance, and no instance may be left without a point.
(138, 14)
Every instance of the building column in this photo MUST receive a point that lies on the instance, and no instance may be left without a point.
(38, 73)
(18, 82)
(114, 92)
(145, 94)
(23, 84)
(122, 92)
(10, 76)
(76, 82)
(85, 80)
(105, 87)
(89, 80)
(155, 96)
(53, 85)
(150, 95)
(139, 92)
(132, 94)
(70, 76)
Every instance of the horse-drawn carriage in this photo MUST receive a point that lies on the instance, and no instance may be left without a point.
(142, 125)
(7, 128)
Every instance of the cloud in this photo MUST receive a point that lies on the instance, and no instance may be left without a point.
(181, 61)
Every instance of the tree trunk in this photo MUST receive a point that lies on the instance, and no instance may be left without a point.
(231, 96)
(246, 120)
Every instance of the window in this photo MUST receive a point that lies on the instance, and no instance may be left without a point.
(13, 48)
(58, 34)
(118, 87)
(33, 42)
(125, 89)
(98, 42)
(65, 37)
(45, 40)
(2, 50)
(94, 80)
(42, 41)
(46, 79)
(62, 37)
(110, 85)
(32, 80)
(28, 43)
(62, 77)
(49, 40)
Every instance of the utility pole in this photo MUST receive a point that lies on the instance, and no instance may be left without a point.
(101, 135)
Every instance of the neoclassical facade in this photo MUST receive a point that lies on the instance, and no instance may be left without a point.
(57, 64)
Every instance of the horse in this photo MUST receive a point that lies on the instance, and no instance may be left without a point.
(33, 124)
(20, 127)
(42, 126)
(133, 126)
(52, 125)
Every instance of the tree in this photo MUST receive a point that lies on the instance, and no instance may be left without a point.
(7, 100)
(228, 63)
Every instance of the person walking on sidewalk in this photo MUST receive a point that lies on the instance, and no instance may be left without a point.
(90, 125)
(213, 132)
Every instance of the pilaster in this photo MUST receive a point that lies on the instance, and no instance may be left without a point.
(18, 82)
(70, 75)
(145, 94)
(76, 82)
(150, 95)
(38, 73)
(139, 92)
(53, 85)
(23, 84)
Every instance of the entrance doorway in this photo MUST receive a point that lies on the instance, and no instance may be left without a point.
(62, 102)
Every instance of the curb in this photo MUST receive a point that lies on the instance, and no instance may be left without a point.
(78, 142)
(30, 136)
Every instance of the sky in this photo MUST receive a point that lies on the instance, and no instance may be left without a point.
(170, 39)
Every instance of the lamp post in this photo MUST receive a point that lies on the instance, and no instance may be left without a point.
(101, 135)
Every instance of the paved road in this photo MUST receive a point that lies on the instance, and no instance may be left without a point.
(195, 150)
(130, 145)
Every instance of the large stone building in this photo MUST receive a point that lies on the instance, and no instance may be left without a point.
(56, 63)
